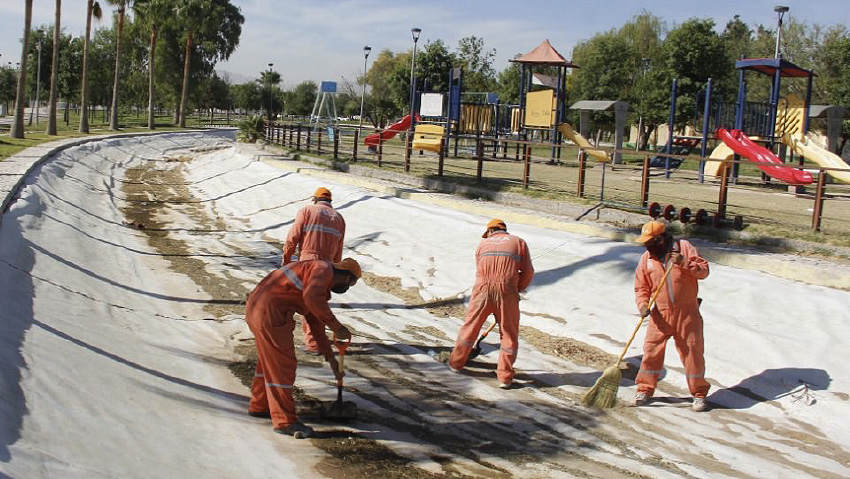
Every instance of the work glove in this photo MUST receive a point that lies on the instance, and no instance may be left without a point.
(644, 310)
(343, 334)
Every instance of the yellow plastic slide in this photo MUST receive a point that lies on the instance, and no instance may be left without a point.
(719, 158)
(582, 142)
(808, 149)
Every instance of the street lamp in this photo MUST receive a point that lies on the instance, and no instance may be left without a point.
(269, 81)
(780, 11)
(415, 32)
(366, 51)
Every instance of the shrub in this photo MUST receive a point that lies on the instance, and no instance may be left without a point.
(252, 129)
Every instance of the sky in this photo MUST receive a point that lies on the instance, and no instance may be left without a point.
(323, 40)
(111, 367)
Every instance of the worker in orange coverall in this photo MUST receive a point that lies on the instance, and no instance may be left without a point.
(676, 312)
(318, 233)
(302, 287)
(503, 270)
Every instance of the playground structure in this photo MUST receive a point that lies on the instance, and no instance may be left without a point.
(484, 132)
(756, 129)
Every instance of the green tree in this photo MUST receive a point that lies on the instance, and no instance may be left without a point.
(54, 67)
(153, 13)
(389, 79)
(17, 128)
(433, 65)
(508, 83)
(300, 100)
(213, 25)
(119, 30)
(834, 58)
(92, 10)
(694, 53)
(477, 63)
(247, 96)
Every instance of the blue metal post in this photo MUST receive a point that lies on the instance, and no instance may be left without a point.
(705, 124)
(671, 121)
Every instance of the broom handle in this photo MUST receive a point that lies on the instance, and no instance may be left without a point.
(651, 305)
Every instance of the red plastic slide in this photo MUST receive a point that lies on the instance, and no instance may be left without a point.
(763, 158)
(391, 131)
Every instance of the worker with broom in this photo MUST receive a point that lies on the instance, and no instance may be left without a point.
(317, 233)
(503, 270)
(301, 287)
(675, 313)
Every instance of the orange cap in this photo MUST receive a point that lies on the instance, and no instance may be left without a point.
(650, 230)
(322, 192)
(494, 223)
(350, 265)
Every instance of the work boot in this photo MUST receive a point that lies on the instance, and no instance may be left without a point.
(297, 430)
(641, 399)
(505, 385)
(263, 414)
(698, 404)
(311, 352)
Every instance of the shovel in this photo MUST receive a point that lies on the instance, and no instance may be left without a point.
(477, 349)
(340, 410)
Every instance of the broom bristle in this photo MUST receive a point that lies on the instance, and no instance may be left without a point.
(603, 394)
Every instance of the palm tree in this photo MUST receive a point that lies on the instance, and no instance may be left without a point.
(51, 117)
(153, 12)
(122, 8)
(17, 129)
(93, 9)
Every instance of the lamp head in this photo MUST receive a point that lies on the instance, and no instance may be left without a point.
(366, 51)
(415, 31)
(780, 9)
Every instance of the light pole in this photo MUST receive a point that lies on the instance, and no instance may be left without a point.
(780, 11)
(415, 32)
(366, 51)
(269, 81)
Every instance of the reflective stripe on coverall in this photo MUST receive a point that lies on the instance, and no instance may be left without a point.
(503, 269)
(320, 231)
(676, 314)
(303, 287)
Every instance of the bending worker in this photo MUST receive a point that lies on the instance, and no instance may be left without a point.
(318, 233)
(676, 312)
(503, 270)
(302, 287)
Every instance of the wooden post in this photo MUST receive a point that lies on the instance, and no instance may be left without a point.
(407, 152)
(644, 183)
(380, 149)
(356, 141)
(527, 170)
(319, 141)
(818, 210)
(336, 143)
(441, 159)
(309, 139)
(298, 139)
(582, 172)
(724, 191)
(480, 157)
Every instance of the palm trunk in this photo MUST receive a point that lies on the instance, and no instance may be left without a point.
(17, 129)
(54, 70)
(185, 80)
(113, 118)
(151, 87)
(84, 92)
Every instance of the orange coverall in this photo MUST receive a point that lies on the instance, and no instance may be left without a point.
(503, 269)
(320, 230)
(676, 314)
(302, 287)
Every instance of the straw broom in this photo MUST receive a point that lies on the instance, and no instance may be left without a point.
(603, 394)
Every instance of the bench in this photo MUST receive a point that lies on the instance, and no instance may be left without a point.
(428, 137)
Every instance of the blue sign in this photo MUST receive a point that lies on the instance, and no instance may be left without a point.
(328, 87)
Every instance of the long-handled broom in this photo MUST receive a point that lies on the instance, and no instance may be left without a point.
(603, 394)
(477, 349)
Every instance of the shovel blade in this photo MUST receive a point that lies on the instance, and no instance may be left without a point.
(340, 411)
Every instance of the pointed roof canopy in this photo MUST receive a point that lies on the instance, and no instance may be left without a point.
(545, 54)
